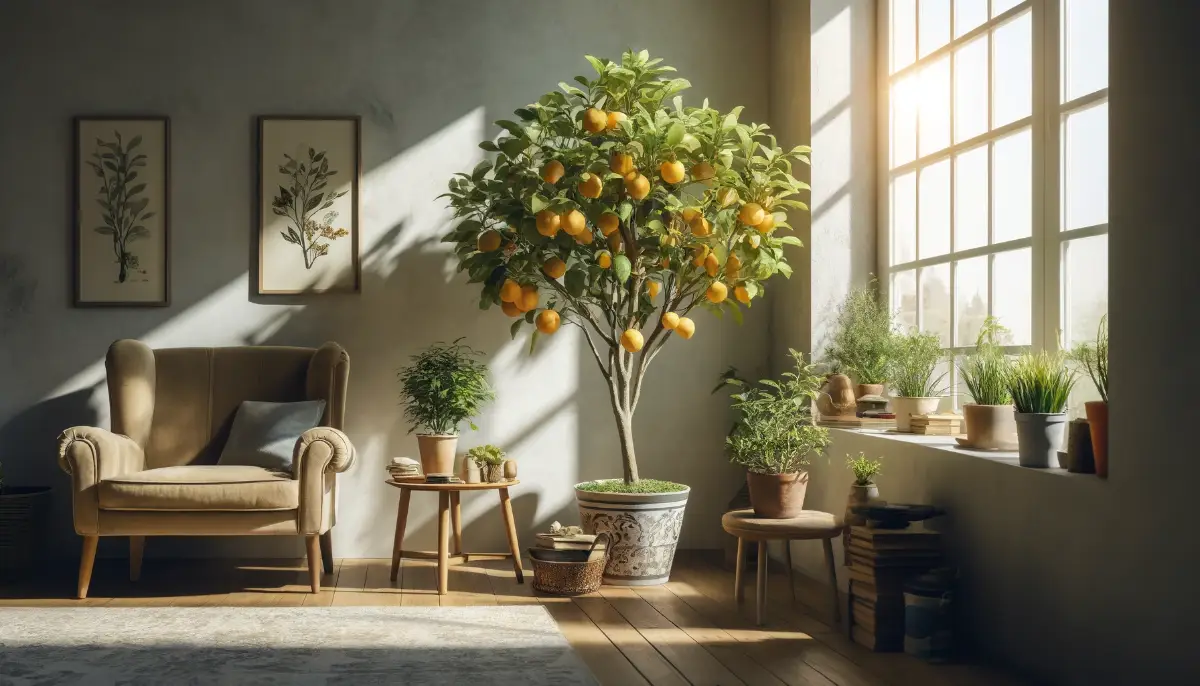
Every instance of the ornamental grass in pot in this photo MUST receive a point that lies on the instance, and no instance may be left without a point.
(1040, 385)
(1093, 358)
(911, 367)
(862, 339)
(989, 419)
(442, 387)
(774, 437)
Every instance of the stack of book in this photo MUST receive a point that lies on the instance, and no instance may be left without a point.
(404, 469)
(885, 421)
(937, 424)
(881, 560)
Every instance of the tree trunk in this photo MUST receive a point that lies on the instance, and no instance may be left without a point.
(628, 459)
(123, 273)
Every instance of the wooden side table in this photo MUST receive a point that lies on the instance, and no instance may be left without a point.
(450, 510)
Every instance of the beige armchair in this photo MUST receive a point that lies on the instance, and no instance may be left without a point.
(155, 473)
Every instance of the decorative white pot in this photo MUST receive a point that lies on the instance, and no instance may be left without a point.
(644, 528)
(906, 407)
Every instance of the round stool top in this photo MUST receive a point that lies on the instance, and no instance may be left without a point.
(810, 524)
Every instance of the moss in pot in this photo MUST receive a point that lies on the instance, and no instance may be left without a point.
(912, 364)
(989, 419)
(774, 437)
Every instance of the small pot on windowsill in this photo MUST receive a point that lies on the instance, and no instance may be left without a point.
(990, 427)
(1097, 416)
(1039, 437)
(905, 407)
(437, 452)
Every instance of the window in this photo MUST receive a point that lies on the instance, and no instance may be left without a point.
(995, 179)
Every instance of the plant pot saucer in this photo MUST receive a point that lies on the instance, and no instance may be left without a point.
(882, 515)
(1006, 448)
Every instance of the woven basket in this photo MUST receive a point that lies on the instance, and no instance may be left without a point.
(570, 578)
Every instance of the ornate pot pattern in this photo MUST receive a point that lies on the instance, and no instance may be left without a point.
(644, 529)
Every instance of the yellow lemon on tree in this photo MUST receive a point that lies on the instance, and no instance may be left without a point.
(547, 223)
(700, 226)
(711, 264)
(716, 292)
(703, 171)
(766, 224)
(688, 214)
(670, 320)
(614, 120)
(554, 268)
(637, 185)
(753, 239)
(510, 292)
(510, 309)
(727, 196)
(547, 321)
(553, 171)
(671, 171)
(604, 259)
(594, 120)
(698, 254)
(653, 287)
(685, 328)
(741, 294)
(584, 237)
(632, 340)
(621, 163)
(591, 187)
(733, 265)
(489, 241)
(751, 214)
(608, 223)
(573, 222)
(529, 298)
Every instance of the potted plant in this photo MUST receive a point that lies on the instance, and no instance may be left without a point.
(774, 436)
(1093, 357)
(442, 387)
(862, 339)
(913, 360)
(862, 491)
(1040, 384)
(490, 461)
(989, 419)
(613, 207)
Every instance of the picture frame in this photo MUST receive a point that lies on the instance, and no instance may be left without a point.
(309, 179)
(121, 229)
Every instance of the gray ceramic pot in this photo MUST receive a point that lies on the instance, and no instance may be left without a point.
(1039, 438)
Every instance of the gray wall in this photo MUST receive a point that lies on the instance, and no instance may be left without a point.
(427, 78)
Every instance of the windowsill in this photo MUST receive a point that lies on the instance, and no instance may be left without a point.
(948, 444)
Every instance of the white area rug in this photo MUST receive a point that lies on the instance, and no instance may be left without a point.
(245, 645)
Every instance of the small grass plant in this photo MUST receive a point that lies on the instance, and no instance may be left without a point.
(913, 363)
(864, 468)
(985, 372)
(1093, 358)
(1041, 383)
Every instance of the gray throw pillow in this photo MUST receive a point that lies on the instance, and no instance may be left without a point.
(265, 434)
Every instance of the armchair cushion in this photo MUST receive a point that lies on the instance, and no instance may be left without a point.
(228, 488)
(265, 434)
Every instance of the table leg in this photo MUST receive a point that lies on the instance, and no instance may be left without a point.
(739, 573)
(511, 526)
(787, 562)
(401, 522)
(761, 588)
(829, 564)
(443, 542)
(456, 517)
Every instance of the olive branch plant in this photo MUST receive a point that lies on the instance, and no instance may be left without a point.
(303, 199)
(116, 163)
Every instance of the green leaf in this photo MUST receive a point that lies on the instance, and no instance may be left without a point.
(515, 328)
(489, 146)
(791, 240)
(624, 211)
(511, 127)
(533, 341)
(675, 134)
(596, 64)
(538, 203)
(575, 282)
(622, 268)
(480, 170)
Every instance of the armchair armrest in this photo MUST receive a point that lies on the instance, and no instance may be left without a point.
(90, 455)
(320, 453)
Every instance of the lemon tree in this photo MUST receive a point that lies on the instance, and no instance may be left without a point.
(610, 205)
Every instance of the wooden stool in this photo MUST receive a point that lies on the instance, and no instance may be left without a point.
(810, 525)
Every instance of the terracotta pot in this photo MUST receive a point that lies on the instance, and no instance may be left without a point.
(868, 389)
(777, 496)
(437, 453)
(859, 495)
(990, 427)
(1097, 414)
(1039, 438)
(837, 397)
(906, 407)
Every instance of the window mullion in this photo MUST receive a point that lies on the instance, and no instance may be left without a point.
(1048, 253)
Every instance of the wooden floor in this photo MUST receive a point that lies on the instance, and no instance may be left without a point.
(688, 631)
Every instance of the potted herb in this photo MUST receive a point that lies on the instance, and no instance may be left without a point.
(1093, 358)
(610, 205)
(774, 436)
(862, 491)
(862, 339)
(442, 387)
(989, 419)
(1040, 384)
(490, 461)
(911, 366)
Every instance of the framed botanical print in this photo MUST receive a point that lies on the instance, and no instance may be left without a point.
(122, 211)
(308, 195)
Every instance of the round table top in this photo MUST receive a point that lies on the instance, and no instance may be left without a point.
(422, 486)
(809, 524)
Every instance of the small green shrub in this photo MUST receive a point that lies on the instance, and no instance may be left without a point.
(486, 455)
(444, 386)
(985, 372)
(865, 469)
(1093, 357)
(915, 356)
(862, 339)
(1041, 383)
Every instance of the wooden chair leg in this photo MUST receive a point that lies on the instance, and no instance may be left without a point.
(760, 591)
(137, 545)
(832, 568)
(511, 525)
(456, 518)
(314, 562)
(443, 542)
(401, 523)
(327, 551)
(86, 560)
(739, 573)
(787, 564)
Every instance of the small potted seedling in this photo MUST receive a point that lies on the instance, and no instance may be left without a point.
(862, 491)
(1040, 385)
(985, 372)
(915, 390)
(490, 460)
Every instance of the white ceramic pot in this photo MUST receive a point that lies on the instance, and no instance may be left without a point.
(906, 407)
(644, 528)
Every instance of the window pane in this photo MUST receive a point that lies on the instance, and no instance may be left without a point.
(1012, 283)
(970, 298)
(1085, 287)
(1085, 167)
(1001, 6)
(935, 302)
(904, 101)
(934, 103)
(970, 90)
(1012, 71)
(904, 33)
(968, 14)
(904, 218)
(971, 199)
(933, 218)
(1085, 47)
(904, 298)
(1012, 187)
(935, 25)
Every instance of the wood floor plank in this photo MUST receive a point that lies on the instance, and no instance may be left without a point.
(469, 585)
(609, 665)
(656, 668)
(419, 582)
(505, 588)
(328, 587)
(348, 589)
